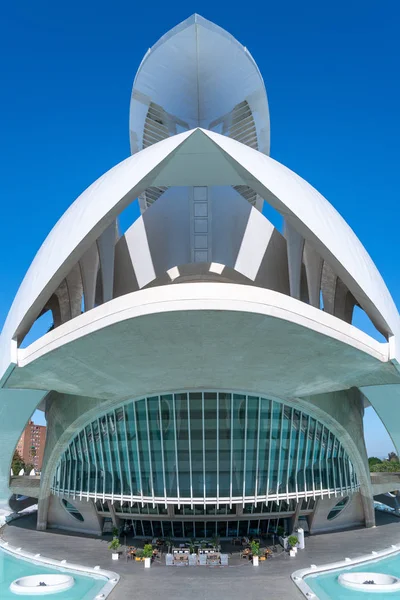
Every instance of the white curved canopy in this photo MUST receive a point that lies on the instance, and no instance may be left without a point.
(195, 158)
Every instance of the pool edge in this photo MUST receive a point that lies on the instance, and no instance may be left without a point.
(111, 577)
(298, 577)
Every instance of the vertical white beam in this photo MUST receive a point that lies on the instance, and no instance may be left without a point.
(102, 459)
(127, 454)
(271, 408)
(280, 450)
(139, 252)
(306, 459)
(82, 462)
(137, 450)
(88, 463)
(162, 449)
(258, 450)
(313, 456)
(190, 450)
(327, 463)
(289, 455)
(107, 429)
(176, 452)
(76, 465)
(95, 461)
(255, 241)
(320, 458)
(245, 451)
(217, 421)
(118, 453)
(146, 404)
(297, 456)
(231, 464)
(204, 448)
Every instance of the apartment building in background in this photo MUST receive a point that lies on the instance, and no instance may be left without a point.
(31, 444)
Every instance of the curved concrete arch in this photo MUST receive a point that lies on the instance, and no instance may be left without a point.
(176, 161)
(69, 414)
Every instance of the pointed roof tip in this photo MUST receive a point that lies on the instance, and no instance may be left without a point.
(195, 18)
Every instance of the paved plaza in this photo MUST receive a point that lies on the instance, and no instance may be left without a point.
(237, 582)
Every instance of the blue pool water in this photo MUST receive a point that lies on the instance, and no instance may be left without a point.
(327, 587)
(86, 587)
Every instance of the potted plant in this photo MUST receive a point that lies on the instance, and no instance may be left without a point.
(147, 554)
(139, 555)
(293, 540)
(215, 540)
(255, 550)
(114, 547)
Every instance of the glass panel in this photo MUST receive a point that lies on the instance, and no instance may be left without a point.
(195, 407)
(200, 533)
(188, 529)
(182, 434)
(210, 529)
(221, 444)
(337, 509)
(210, 441)
(243, 528)
(251, 445)
(224, 422)
(72, 510)
(178, 530)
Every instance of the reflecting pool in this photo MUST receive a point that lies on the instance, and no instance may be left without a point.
(327, 587)
(11, 567)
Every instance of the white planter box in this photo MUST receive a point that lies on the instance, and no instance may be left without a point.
(292, 553)
(147, 563)
(255, 561)
(115, 555)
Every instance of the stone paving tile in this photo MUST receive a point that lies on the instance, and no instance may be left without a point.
(271, 580)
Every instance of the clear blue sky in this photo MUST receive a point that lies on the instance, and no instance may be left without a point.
(332, 75)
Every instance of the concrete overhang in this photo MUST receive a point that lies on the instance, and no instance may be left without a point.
(203, 335)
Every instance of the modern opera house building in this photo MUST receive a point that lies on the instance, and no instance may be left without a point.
(202, 375)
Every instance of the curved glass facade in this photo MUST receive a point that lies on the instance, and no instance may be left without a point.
(204, 447)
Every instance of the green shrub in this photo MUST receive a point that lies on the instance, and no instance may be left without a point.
(386, 466)
(255, 548)
(148, 551)
(293, 541)
(114, 544)
(373, 460)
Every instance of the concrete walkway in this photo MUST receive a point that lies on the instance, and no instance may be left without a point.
(239, 582)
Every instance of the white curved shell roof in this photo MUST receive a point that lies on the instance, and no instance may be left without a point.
(197, 73)
(198, 158)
